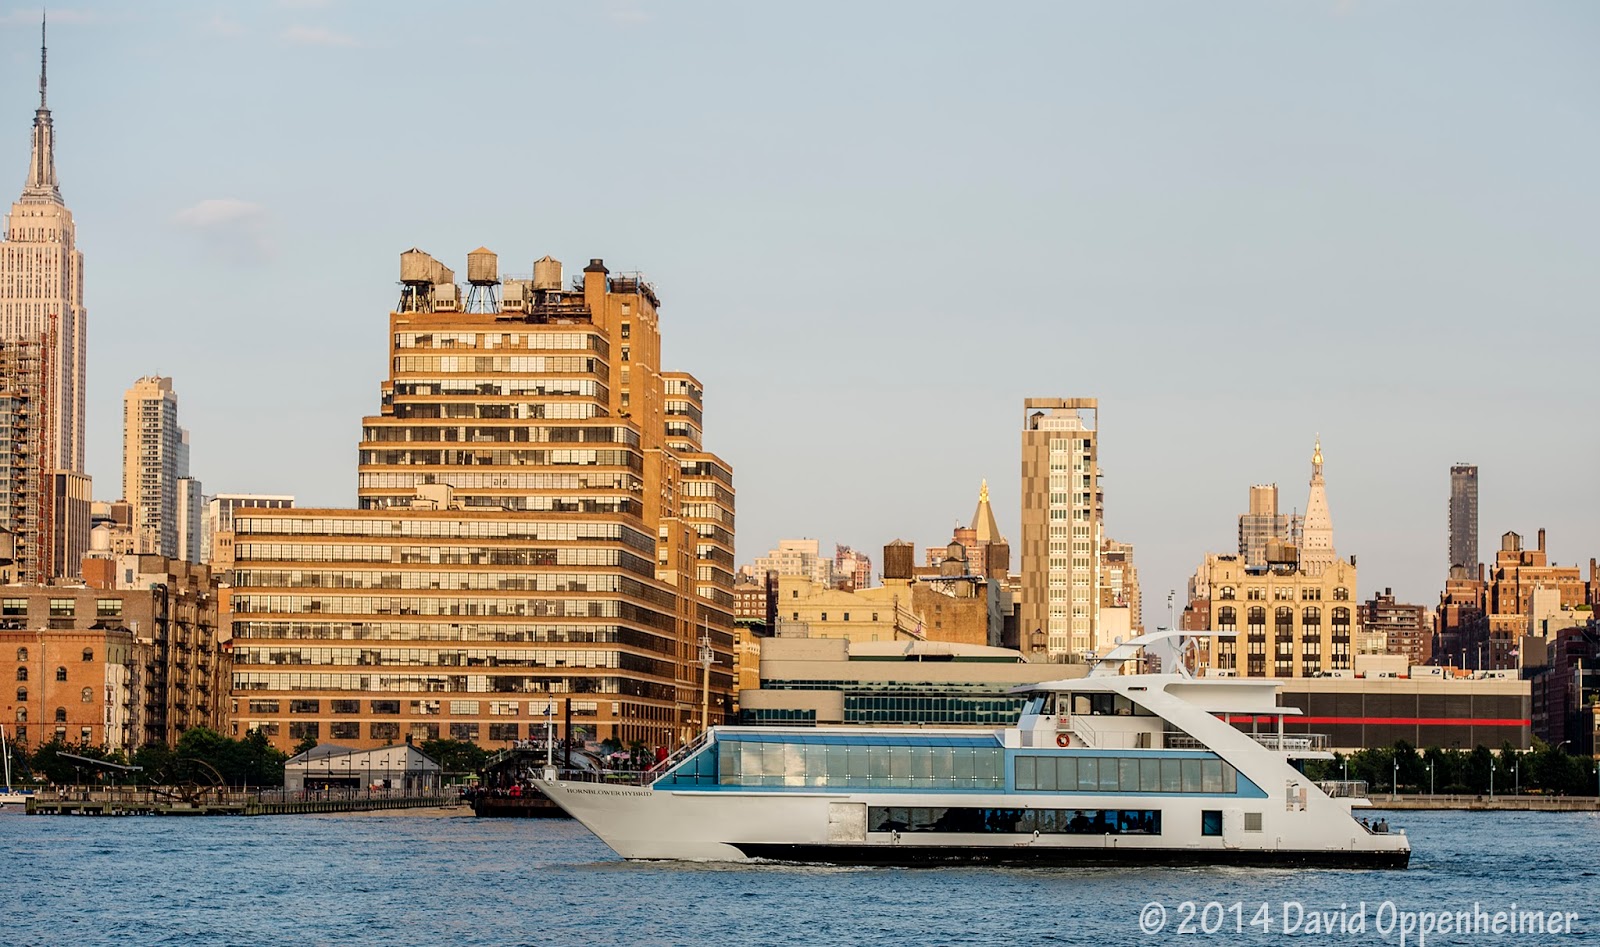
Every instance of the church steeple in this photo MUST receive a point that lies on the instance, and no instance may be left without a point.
(42, 185)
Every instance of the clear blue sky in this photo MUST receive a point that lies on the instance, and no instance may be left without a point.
(876, 228)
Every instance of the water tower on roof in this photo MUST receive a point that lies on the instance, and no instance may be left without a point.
(483, 275)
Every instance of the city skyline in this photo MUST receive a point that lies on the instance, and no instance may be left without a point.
(1193, 217)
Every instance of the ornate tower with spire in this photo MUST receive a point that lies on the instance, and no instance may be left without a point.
(1316, 551)
(42, 272)
(991, 553)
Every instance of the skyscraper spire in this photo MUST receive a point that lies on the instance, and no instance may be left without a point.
(42, 185)
(1316, 551)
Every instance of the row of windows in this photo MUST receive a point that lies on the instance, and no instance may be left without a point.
(745, 763)
(505, 386)
(61, 672)
(497, 708)
(1122, 774)
(468, 457)
(452, 528)
(1309, 593)
(462, 580)
(426, 657)
(498, 434)
(520, 364)
(973, 819)
(430, 555)
(245, 603)
(502, 411)
(86, 695)
(470, 631)
(62, 607)
(389, 730)
(464, 683)
(429, 657)
(463, 480)
(1257, 615)
(534, 341)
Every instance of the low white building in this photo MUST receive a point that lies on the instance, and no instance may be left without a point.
(402, 768)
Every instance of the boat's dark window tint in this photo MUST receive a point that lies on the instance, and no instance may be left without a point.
(1211, 822)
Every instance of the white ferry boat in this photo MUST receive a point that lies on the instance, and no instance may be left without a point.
(1106, 769)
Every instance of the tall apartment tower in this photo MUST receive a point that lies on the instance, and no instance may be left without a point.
(42, 307)
(1317, 552)
(1062, 524)
(155, 464)
(538, 530)
(1463, 520)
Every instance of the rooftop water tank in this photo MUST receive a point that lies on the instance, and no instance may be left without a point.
(482, 267)
(547, 273)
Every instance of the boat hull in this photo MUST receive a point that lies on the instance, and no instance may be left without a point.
(664, 824)
(1068, 857)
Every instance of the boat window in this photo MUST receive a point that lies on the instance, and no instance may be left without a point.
(806, 763)
(1121, 706)
(1034, 705)
(983, 820)
(1088, 774)
(1191, 776)
(1211, 822)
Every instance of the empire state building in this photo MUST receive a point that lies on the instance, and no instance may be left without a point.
(42, 328)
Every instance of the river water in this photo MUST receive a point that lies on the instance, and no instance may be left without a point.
(412, 879)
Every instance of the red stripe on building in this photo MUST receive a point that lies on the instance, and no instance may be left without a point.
(1391, 721)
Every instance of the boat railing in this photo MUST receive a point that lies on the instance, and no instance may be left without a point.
(1284, 743)
(1344, 788)
(675, 757)
(610, 777)
(1096, 738)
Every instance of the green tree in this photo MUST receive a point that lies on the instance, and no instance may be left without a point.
(309, 743)
(456, 757)
(47, 762)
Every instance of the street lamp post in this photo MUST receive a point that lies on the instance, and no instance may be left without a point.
(1394, 781)
(1491, 776)
(1516, 770)
(1430, 777)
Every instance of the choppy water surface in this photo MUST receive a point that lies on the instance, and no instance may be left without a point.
(458, 880)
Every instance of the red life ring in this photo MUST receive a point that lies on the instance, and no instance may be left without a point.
(1063, 740)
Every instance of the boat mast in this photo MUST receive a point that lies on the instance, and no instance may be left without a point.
(706, 657)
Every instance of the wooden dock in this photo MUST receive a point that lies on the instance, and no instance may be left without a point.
(120, 802)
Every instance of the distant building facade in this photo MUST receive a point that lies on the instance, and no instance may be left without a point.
(1263, 523)
(155, 461)
(131, 659)
(1281, 621)
(536, 523)
(852, 567)
(1062, 525)
(1403, 629)
(1463, 520)
(797, 557)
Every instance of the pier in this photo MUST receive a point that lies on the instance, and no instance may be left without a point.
(121, 802)
(1485, 803)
